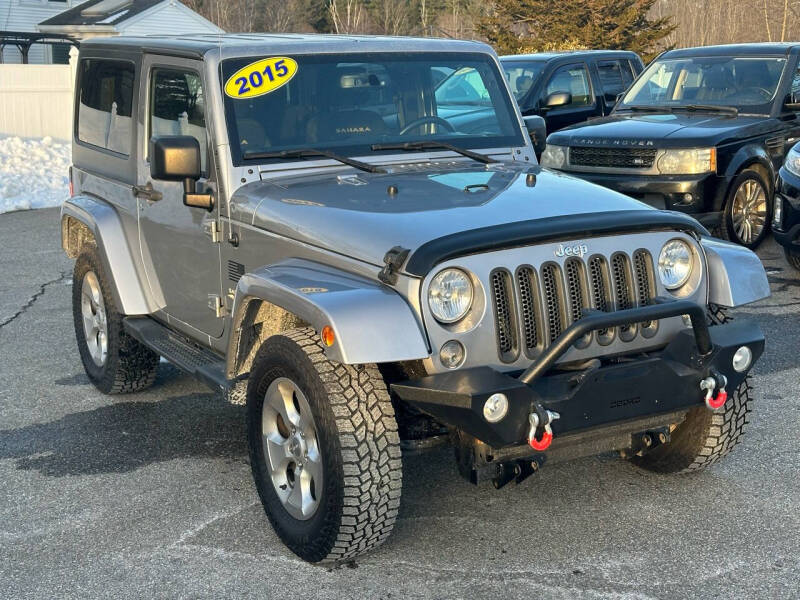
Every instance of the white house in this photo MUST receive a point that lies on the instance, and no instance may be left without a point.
(81, 19)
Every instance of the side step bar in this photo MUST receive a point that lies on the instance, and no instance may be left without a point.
(195, 360)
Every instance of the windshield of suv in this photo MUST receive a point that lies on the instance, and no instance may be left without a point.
(747, 84)
(522, 75)
(349, 102)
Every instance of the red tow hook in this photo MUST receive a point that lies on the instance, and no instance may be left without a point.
(709, 384)
(543, 442)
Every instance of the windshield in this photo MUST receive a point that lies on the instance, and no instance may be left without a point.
(747, 84)
(522, 75)
(348, 103)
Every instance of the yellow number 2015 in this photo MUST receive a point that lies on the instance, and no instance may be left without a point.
(261, 77)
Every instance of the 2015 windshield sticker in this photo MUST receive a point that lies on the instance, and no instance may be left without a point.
(261, 77)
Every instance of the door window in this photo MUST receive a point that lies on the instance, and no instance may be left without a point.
(106, 104)
(177, 106)
(615, 77)
(795, 92)
(573, 79)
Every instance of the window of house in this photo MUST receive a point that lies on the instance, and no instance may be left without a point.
(177, 106)
(106, 104)
(573, 79)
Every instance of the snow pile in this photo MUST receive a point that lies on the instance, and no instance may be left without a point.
(34, 173)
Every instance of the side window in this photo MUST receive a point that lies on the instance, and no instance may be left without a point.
(795, 92)
(612, 79)
(177, 106)
(573, 79)
(106, 104)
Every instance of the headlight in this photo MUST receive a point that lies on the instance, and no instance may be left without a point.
(450, 295)
(688, 162)
(675, 264)
(554, 157)
(792, 162)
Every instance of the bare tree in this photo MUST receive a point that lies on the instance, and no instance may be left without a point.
(347, 16)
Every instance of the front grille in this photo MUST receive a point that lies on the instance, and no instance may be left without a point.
(533, 308)
(618, 158)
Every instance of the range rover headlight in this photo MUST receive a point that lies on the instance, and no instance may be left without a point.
(554, 157)
(450, 295)
(675, 264)
(792, 162)
(692, 161)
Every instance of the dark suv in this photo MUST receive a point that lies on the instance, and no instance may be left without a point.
(570, 87)
(702, 131)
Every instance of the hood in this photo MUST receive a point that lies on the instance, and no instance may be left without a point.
(363, 215)
(668, 130)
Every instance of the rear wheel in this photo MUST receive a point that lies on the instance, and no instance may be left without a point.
(324, 449)
(115, 362)
(793, 257)
(745, 219)
(704, 436)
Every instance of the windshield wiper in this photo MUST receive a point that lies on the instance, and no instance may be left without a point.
(728, 110)
(435, 146)
(645, 108)
(309, 152)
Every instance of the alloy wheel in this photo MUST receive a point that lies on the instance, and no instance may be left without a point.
(95, 322)
(749, 211)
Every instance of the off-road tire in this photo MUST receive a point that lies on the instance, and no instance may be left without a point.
(725, 229)
(130, 366)
(358, 441)
(792, 257)
(704, 436)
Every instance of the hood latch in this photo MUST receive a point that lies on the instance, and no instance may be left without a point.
(394, 260)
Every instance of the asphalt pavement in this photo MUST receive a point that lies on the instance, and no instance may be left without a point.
(150, 495)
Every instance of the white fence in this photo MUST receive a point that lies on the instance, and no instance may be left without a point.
(36, 100)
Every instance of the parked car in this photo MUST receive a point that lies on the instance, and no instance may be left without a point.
(702, 131)
(570, 87)
(290, 219)
(786, 219)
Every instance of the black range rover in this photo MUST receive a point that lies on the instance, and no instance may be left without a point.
(701, 131)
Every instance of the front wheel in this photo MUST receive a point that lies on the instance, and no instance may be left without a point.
(704, 436)
(324, 449)
(745, 218)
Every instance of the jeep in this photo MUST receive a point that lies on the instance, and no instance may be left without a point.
(309, 226)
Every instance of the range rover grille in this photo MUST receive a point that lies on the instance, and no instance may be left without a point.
(537, 305)
(619, 158)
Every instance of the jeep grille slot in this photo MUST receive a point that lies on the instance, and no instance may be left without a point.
(504, 315)
(623, 297)
(553, 293)
(598, 273)
(645, 280)
(617, 158)
(529, 303)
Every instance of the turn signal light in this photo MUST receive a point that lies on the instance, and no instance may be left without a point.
(328, 338)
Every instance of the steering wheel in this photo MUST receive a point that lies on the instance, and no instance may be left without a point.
(757, 90)
(428, 119)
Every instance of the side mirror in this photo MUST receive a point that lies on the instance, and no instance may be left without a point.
(557, 99)
(537, 129)
(619, 97)
(177, 158)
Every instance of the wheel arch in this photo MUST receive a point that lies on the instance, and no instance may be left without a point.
(371, 322)
(89, 220)
(748, 157)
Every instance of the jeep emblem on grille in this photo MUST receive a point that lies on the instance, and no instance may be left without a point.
(576, 250)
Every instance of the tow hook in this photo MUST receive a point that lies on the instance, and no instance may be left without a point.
(709, 384)
(542, 442)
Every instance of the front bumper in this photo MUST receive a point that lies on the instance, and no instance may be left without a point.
(697, 195)
(630, 390)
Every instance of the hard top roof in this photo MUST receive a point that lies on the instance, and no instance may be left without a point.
(755, 49)
(543, 56)
(239, 44)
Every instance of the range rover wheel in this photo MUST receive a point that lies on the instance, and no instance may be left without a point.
(114, 361)
(793, 257)
(704, 436)
(324, 448)
(745, 219)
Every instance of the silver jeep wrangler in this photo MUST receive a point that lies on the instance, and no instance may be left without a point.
(351, 236)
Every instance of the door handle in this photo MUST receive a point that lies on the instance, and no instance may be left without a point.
(147, 192)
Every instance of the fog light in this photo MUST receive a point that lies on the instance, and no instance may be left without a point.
(452, 354)
(495, 408)
(688, 198)
(742, 359)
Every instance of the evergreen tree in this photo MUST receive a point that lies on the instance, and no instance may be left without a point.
(514, 26)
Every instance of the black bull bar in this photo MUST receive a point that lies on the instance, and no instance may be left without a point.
(659, 382)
